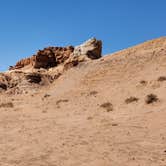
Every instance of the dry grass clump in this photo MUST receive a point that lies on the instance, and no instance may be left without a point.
(108, 106)
(151, 98)
(61, 101)
(6, 105)
(92, 93)
(143, 82)
(131, 99)
(162, 78)
(47, 95)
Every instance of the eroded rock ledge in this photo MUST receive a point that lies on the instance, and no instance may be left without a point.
(46, 66)
(53, 56)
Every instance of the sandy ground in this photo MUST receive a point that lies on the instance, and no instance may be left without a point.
(82, 119)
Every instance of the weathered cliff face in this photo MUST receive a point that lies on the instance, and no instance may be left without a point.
(53, 56)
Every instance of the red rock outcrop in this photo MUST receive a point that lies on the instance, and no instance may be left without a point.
(46, 58)
(33, 73)
(53, 56)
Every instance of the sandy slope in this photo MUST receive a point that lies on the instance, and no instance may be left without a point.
(69, 126)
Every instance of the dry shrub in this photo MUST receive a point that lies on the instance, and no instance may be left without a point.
(92, 93)
(108, 106)
(47, 95)
(6, 105)
(61, 101)
(131, 99)
(161, 78)
(151, 98)
(143, 82)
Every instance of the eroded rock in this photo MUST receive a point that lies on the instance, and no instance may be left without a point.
(46, 58)
(33, 78)
(92, 48)
(46, 66)
(53, 56)
(3, 86)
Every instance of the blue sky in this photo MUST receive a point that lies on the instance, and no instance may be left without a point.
(29, 25)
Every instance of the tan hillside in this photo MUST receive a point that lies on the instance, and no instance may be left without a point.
(109, 111)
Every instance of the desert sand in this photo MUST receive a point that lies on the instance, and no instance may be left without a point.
(97, 113)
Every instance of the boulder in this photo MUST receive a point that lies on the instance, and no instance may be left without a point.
(92, 48)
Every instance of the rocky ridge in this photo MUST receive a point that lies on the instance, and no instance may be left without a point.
(46, 66)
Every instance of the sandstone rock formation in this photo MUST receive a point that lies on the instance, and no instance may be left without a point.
(46, 66)
(53, 56)
(46, 58)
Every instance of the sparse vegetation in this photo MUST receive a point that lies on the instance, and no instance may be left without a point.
(143, 82)
(6, 105)
(114, 124)
(61, 101)
(151, 98)
(92, 93)
(44, 111)
(108, 106)
(162, 78)
(46, 95)
(131, 99)
(89, 118)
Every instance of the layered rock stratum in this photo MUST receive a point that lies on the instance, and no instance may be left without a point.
(84, 109)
